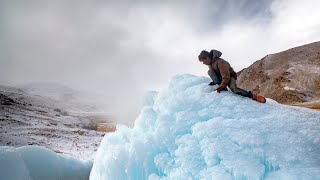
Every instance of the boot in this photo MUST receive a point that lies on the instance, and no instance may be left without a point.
(258, 98)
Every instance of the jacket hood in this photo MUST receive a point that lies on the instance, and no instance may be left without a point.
(215, 54)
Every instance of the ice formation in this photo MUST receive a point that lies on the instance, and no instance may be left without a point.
(39, 163)
(188, 131)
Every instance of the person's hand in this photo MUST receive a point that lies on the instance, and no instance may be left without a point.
(220, 88)
(211, 84)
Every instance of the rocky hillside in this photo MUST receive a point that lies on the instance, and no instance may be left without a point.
(289, 77)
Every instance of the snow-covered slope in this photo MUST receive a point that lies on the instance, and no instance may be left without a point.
(27, 119)
(72, 100)
(290, 77)
(187, 131)
(53, 90)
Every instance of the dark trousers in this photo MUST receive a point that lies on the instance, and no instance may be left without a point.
(232, 84)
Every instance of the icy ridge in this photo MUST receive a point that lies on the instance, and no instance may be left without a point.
(190, 132)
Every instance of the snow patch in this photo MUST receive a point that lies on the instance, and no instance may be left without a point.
(287, 88)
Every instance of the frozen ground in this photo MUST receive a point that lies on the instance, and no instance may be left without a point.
(30, 119)
(187, 131)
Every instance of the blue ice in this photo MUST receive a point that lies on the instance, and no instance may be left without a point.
(187, 131)
(40, 163)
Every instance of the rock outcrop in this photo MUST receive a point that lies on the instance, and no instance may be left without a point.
(289, 77)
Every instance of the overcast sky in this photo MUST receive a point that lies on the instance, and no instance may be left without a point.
(123, 48)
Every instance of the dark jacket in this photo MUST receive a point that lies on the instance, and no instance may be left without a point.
(223, 70)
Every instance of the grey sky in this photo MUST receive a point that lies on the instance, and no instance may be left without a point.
(123, 48)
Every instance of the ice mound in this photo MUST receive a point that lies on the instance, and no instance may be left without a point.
(39, 163)
(187, 131)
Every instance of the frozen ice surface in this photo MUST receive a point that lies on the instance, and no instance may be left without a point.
(12, 165)
(39, 163)
(191, 132)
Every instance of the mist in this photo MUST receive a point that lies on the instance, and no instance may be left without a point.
(118, 50)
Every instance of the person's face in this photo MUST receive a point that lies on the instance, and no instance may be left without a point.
(206, 61)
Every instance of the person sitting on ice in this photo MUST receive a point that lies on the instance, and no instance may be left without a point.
(223, 74)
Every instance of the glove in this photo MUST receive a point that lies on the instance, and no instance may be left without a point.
(220, 88)
(212, 83)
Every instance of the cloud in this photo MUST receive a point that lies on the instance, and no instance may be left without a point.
(295, 23)
(122, 48)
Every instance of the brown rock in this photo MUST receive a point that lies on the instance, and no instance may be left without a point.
(289, 77)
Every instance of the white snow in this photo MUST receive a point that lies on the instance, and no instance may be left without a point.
(190, 132)
(38, 120)
(39, 163)
(287, 88)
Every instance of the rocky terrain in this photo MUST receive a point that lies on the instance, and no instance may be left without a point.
(63, 126)
(289, 77)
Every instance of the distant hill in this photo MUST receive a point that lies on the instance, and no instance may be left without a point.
(289, 77)
(72, 100)
(52, 90)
